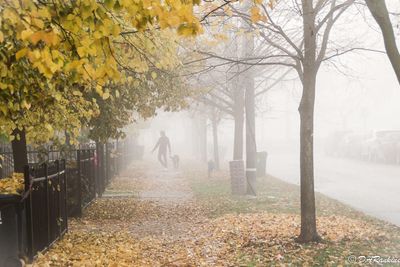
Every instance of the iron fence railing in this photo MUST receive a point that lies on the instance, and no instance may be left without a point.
(55, 189)
(45, 205)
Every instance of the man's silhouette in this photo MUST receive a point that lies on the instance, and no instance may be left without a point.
(162, 145)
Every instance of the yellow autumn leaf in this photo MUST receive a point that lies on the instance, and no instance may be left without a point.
(106, 95)
(255, 14)
(25, 104)
(13, 185)
(49, 127)
(21, 53)
(99, 90)
(26, 34)
(36, 37)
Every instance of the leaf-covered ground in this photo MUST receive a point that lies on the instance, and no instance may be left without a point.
(13, 185)
(186, 219)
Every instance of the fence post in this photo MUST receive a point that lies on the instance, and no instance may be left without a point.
(100, 177)
(28, 214)
(58, 190)
(97, 172)
(117, 166)
(2, 166)
(93, 172)
(107, 164)
(78, 159)
(65, 193)
(47, 201)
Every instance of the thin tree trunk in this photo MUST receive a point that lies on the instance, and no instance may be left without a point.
(238, 105)
(251, 148)
(203, 138)
(381, 15)
(306, 110)
(307, 195)
(20, 152)
(214, 121)
(195, 138)
(238, 116)
(238, 137)
(67, 139)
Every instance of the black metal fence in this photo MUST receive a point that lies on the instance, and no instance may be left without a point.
(81, 177)
(34, 157)
(6, 162)
(55, 189)
(45, 205)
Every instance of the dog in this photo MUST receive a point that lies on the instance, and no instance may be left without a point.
(175, 161)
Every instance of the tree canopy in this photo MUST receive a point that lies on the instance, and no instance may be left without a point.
(61, 59)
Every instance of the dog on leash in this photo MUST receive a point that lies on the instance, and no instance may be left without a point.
(175, 161)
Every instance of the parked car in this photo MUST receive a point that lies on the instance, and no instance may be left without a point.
(335, 144)
(353, 144)
(384, 147)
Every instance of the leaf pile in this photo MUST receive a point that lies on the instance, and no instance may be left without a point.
(13, 185)
(122, 209)
(263, 239)
(92, 248)
(260, 239)
(213, 231)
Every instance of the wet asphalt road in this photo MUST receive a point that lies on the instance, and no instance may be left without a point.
(369, 187)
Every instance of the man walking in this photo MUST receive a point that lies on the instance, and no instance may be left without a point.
(162, 145)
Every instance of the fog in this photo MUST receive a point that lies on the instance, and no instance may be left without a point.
(357, 97)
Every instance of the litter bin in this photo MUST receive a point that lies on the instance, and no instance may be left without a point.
(262, 163)
(10, 230)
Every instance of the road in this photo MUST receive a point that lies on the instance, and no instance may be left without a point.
(371, 188)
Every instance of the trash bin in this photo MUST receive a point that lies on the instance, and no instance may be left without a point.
(262, 163)
(10, 230)
(238, 177)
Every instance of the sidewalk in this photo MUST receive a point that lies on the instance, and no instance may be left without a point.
(168, 218)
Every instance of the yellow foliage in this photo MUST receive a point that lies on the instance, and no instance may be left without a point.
(55, 49)
(13, 185)
(255, 14)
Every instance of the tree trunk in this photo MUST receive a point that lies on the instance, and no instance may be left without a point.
(200, 137)
(214, 121)
(238, 116)
(195, 138)
(238, 137)
(307, 195)
(306, 110)
(67, 139)
(20, 152)
(251, 148)
(238, 103)
(203, 138)
(381, 15)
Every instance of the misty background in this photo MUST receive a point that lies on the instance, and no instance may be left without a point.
(357, 93)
